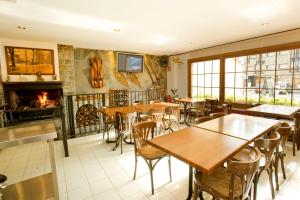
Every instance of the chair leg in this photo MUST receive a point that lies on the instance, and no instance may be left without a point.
(270, 173)
(135, 166)
(196, 190)
(151, 176)
(170, 170)
(255, 186)
(276, 171)
(282, 167)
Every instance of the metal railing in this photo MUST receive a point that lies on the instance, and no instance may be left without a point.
(83, 115)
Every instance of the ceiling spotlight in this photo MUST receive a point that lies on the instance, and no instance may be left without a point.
(21, 27)
(265, 24)
(116, 30)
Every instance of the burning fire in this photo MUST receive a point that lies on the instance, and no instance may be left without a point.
(43, 100)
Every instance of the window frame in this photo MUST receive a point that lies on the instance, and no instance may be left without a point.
(295, 46)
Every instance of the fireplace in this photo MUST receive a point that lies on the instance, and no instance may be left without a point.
(32, 100)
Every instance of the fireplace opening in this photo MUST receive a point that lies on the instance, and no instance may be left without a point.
(29, 101)
(34, 99)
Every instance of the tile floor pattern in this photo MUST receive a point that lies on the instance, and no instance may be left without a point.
(94, 171)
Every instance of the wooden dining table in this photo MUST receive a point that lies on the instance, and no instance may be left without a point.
(201, 149)
(208, 145)
(186, 101)
(241, 126)
(275, 111)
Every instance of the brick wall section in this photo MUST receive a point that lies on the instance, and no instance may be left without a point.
(66, 68)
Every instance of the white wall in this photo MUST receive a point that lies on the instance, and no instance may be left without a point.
(21, 43)
(177, 77)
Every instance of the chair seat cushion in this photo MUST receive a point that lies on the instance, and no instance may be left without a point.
(219, 182)
(150, 152)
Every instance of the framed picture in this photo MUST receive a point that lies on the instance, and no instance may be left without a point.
(29, 61)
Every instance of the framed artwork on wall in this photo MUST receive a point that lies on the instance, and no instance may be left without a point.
(29, 61)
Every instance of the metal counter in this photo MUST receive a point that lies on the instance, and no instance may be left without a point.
(43, 187)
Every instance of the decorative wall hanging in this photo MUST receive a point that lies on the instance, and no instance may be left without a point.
(29, 61)
(96, 72)
(134, 79)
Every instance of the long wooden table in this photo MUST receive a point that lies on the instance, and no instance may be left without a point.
(111, 111)
(202, 149)
(275, 111)
(208, 149)
(241, 126)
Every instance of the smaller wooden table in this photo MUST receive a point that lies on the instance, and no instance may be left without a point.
(276, 111)
(203, 149)
(185, 102)
(241, 126)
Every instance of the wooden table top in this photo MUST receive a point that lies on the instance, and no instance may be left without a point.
(203, 149)
(189, 100)
(137, 108)
(241, 126)
(276, 110)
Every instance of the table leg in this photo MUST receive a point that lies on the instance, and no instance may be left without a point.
(190, 192)
(53, 169)
(185, 114)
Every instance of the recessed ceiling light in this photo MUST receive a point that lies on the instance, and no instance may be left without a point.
(265, 24)
(21, 27)
(116, 30)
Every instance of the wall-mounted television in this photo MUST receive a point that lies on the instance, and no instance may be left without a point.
(128, 62)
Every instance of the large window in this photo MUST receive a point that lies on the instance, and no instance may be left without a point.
(272, 78)
(205, 79)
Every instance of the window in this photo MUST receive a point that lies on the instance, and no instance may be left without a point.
(205, 79)
(271, 78)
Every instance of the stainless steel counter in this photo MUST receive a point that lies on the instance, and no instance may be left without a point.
(32, 189)
(27, 133)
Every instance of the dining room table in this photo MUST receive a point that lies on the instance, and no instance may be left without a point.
(187, 101)
(201, 149)
(139, 108)
(274, 111)
(207, 147)
(241, 126)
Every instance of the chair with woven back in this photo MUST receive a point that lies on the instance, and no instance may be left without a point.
(150, 154)
(284, 132)
(172, 116)
(233, 182)
(125, 126)
(267, 146)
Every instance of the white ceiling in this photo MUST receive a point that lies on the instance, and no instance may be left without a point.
(146, 26)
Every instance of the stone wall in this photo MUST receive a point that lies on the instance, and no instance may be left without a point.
(66, 68)
(75, 72)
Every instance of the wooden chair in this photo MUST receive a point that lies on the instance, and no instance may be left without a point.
(197, 110)
(216, 115)
(172, 115)
(125, 126)
(284, 132)
(149, 153)
(157, 115)
(234, 182)
(202, 119)
(211, 105)
(267, 147)
(295, 133)
(109, 122)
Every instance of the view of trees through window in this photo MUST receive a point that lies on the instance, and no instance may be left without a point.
(272, 78)
(205, 79)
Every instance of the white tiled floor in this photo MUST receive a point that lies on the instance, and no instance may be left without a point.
(94, 171)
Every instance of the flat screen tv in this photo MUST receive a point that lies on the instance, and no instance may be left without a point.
(128, 62)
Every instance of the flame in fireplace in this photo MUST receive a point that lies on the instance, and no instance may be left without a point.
(43, 99)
